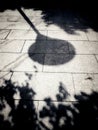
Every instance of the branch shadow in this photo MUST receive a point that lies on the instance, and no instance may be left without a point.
(21, 113)
(77, 115)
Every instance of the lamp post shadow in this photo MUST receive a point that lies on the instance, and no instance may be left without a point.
(46, 50)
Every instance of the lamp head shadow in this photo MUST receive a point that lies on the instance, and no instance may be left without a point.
(50, 51)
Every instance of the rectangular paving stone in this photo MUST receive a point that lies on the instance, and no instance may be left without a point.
(92, 35)
(57, 86)
(3, 18)
(37, 19)
(70, 63)
(19, 62)
(83, 83)
(22, 78)
(4, 33)
(84, 47)
(79, 35)
(44, 46)
(11, 45)
(14, 25)
(25, 34)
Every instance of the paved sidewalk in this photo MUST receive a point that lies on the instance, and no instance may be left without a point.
(57, 60)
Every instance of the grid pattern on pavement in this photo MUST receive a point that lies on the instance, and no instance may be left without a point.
(64, 54)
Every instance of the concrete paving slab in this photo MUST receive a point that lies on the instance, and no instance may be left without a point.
(92, 35)
(25, 34)
(13, 18)
(14, 25)
(53, 27)
(84, 47)
(58, 86)
(4, 33)
(77, 63)
(83, 83)
(11, 45)
(78, 35)
(18, 62)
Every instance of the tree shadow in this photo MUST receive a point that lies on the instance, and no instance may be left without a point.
(17, 113)
(21, 113)
(51, 9)
(72, 115)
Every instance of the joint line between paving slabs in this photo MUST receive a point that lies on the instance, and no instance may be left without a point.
(22, 46)
(73, 82)
(7, 34)
(96, 58)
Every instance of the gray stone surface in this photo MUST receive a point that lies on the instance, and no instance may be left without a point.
(10, 18)
(18, 62)
(79, 35)
(9, 12)
(14, 25)
(92, 35)
(57, 86)
(57, 61)
(11, 45)
(84, 47)
(25, 34)
(83, 83)
(77, 63)
(4, 33)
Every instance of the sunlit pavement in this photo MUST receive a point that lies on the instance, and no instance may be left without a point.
(60, 58)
